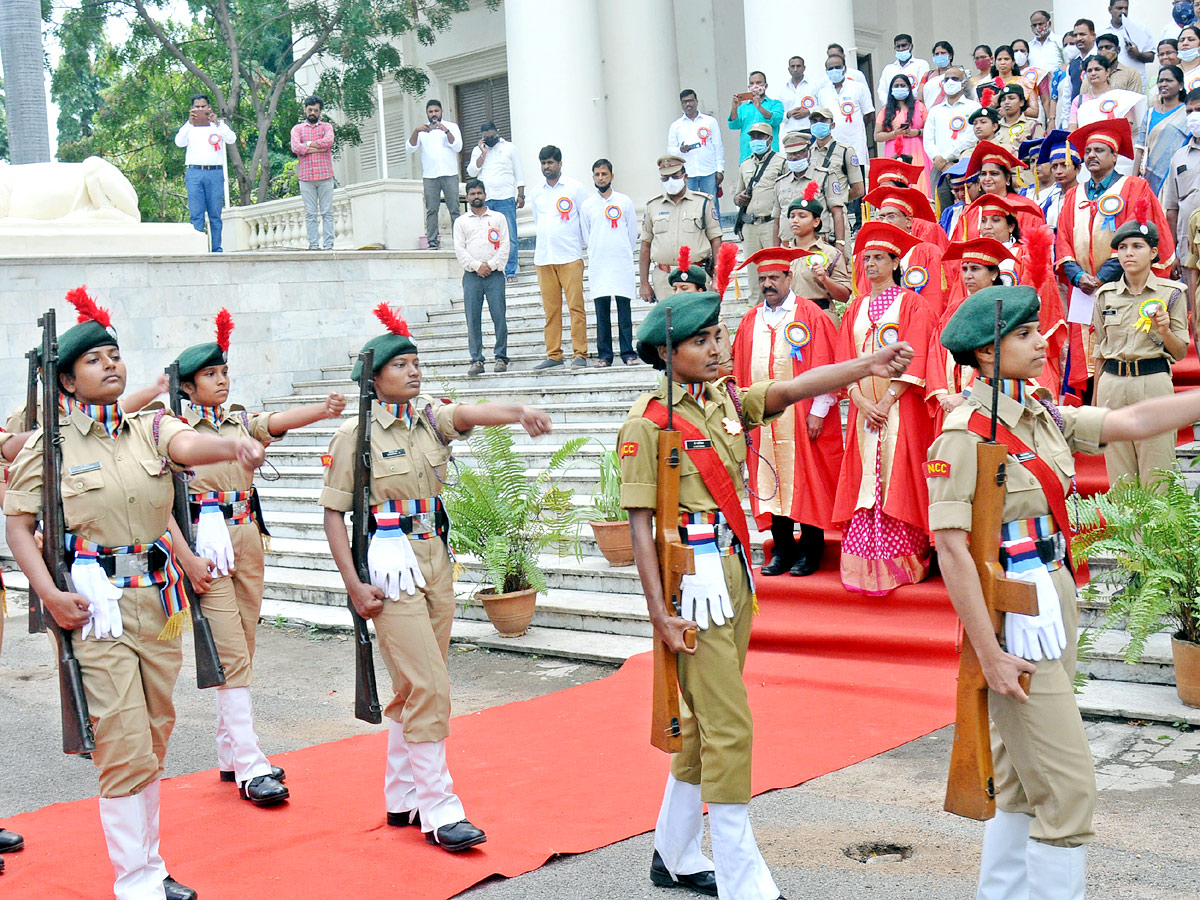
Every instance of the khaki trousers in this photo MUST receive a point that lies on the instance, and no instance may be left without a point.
(554, 281)
(1144, 456)
(414, 638)
(714, 713)
(754, 238)
(128, 682)
(233, 604)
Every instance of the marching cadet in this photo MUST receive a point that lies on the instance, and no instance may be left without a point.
(755, 196)
(676, 218)
(229, 531)
(1141, 325)
(128, 605)
(792, 186)
(823, 275)
(411, 595)
(1036, 845)
(714, 765)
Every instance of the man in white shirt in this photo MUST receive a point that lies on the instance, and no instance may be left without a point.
(799, 96)
(440, 144)
(850, 102)
(558, 256)
(913, 69)
(497, 164)
(697, 138)
(1137, 43)
(1045, 55)
(947, 123)
(205, 136)
(610, 228)
(481, 245)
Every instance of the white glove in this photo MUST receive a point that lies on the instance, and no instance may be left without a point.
(1043, 635)
(212, 539)
(104, 598)
(393, 564)
(705, 594)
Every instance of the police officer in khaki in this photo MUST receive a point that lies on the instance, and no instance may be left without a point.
(1141, 327)
(824, 275)
(797, 149)
(411, 594)
(676, 218)
(128, 606)
(229, 531)
(714, 765)
(835, 166)
(1035, 846)
(755, 194)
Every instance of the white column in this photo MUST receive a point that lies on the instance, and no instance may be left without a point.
(779, 29)
(556, 84)
(643, 99)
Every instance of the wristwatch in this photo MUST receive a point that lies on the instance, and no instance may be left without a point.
(892, 391)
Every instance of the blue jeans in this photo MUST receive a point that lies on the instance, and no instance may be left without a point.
(206, 194)
(508, 209)
(604, 349)
(475, 291)
(706, 184)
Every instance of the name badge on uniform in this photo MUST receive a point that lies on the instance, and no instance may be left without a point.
(697, 445)
(1109, 312)
(86, 467)
(1179, 170)
(1024, 457)
(388, 454)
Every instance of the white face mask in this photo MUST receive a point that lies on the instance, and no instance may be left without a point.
(673, 186)
(952, 86)
(1021, 57)
(797, 165)
(1189, 55)
(1193, 123)
(1070, 52)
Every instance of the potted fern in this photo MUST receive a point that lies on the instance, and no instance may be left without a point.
(505, 518)
(611, 523)
(1150, 531)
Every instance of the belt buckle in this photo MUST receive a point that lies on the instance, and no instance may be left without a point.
(131, 565)
(238, 509)
(724, 537)
(421, 523)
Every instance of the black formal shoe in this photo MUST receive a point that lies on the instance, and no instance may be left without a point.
(176, 891)
(700, 882)
(404, 819)
(778, 565)
(264, 791)
(276, 772)
(10, 842)
(805, 565)
(456, 837)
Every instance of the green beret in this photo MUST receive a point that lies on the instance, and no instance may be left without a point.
(813, 206)
(79, 339)
(387, 347)
(984, 112)
(694, 275)
(689, 313)
(1134, 228)
(973, 325)
(198, 357)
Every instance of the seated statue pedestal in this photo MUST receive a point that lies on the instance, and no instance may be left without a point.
(61, 237)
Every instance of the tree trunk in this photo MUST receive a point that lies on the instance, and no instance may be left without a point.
(24, 80)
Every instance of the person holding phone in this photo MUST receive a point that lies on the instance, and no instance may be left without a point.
(752, 106)
(440, 143)
(204, 136)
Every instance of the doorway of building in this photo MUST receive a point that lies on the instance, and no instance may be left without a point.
(478, 102)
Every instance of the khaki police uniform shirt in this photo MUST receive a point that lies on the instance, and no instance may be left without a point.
(1181, 192)
(667, 226)
(406, 464)
(762, 200)
(637, 443)
(806, 284)
(838, 170)
(227, 476)
(114, 492)
(1116, 313)
(791, 187)
(16, 420)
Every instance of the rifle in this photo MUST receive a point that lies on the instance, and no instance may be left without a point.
(209, 671)
(675, 559)
(970, 790)
(366, 694)
(78, 736)
(36, 613)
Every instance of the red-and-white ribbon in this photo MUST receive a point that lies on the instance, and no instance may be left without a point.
(957, 124)
(613, 214)
(564, 208)
(494, 237)
(847, 108)
(704, 134)
(215, 140)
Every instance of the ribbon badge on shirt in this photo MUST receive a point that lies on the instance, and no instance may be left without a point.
(957, 124)
(613, 214)
(847, 109)
(887, 334)
(214, 140)
(704, 134)
(1145, 314)
(564, 208)
(809, 102)
(915, 278)
(1007, 278)
(494, 237)
(798, 335)
(817, 258)
(1110, 207)
(1109, 107)
(1015, 131)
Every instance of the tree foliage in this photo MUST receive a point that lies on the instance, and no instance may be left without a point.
(3, 124)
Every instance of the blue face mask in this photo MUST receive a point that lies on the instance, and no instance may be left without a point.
(903, 55)
(900, 93)
(1183, 13)
(941, 60)
(836, 76)
(820, 130)
(759, 147)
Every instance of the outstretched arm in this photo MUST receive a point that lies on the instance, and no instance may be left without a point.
(1159, 415)
(143, 397)
(890, 362)
(280, 423)
(533, 420)
(191, 449)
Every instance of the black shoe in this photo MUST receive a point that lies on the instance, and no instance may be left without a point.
(778, 565)
(457, 837)
(700, 882)
(10, 842)
(264, 791)
(276, 772)
(547, 364)
(806, 565)
(176, 891)
(404, 819)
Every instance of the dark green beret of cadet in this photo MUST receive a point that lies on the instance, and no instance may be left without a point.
(973, 325)
(1148, 232)
(198, 357)
(813, 206)
(694, 275)
(387, 347)
(79, 339)
(985, 111)
(689, 313)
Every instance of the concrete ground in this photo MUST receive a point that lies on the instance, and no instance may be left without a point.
(1149, 778)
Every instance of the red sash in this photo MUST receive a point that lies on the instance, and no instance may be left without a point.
(712, 470)
(1051, 485)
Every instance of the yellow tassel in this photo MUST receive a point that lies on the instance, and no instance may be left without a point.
(754, 600)
(266, 542)
(176, 625)
(458, 570)
(3, 602)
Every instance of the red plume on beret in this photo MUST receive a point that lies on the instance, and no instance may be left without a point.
(726, 259)
(986, 96)
(224, 329)
(87, 307)
(1141, 211)
(810, 191)
(392, 320)
(685, 258)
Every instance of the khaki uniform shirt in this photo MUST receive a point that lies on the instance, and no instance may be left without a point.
(762, 200)
(406, 463)
(637, 443)
(806, 284)
(1181, 192)
(1117, 311)
(16, 420)
(838, 170)
(1012, 136)
(114, 492)
(791, 187)
(227, 476)
(667, 226)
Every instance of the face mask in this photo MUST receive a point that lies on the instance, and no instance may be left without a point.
(941, 60)
(1020, 57)
(1189, 55)
(313, 120)
(673, 186)
(758, 89)
(900, 93)
(1193, 123)
(820, 130)
(759, 147)
(1183, 13)
(492, 141)
(836, 76)
(984, 65)
(1070, 52)
(952, 86)
(797, 165)
(1041, 31)
(903, 56)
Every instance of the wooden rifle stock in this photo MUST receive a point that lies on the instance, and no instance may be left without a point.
(209, 671)
(366, 693)
(37, 614)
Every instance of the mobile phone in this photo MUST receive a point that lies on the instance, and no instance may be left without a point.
(744, 96)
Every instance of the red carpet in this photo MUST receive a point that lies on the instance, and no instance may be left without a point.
(833, 679)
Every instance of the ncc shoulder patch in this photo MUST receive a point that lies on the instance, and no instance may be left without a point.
(937, 468)
(326, 460)
(629, 448)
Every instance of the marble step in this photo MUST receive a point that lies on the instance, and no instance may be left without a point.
(321, 433)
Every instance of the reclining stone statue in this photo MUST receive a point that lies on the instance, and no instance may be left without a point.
(91, 191)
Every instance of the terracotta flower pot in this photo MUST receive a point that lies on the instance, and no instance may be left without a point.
(510, 613)
(1187, 670)
(615, 542)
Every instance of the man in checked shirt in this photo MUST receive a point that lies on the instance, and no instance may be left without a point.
(312, 142)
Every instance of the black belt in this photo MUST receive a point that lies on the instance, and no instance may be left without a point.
(1052, 549)
(823, 302)
(759, 220)
(206, 167)
(1131, 367)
